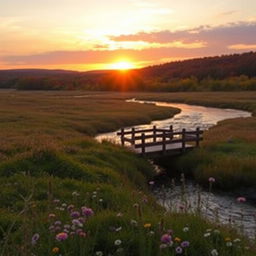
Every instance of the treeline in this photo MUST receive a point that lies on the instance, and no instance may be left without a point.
(219, 67)
(227, 73)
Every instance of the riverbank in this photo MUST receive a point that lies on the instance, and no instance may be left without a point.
(228, 151)
(62, 193)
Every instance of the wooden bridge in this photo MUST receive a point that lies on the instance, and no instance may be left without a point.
(156, 142)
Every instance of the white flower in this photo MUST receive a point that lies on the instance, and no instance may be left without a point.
(186, 229)
(134, 223)
(237, 240)
(163, 246)
(118, 229)
(99, 253)
(118, 242)
(207, 234)
(229, 244)
(214, 252)
(216, 231)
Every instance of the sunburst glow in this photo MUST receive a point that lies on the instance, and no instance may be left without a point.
(123, 65)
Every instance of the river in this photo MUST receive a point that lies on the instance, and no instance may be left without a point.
(190, 197)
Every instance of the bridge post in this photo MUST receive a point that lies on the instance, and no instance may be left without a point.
(154, 133)
(133, 136)
(197, 136)
(164, 142)
(122, 136)
(171, 132)
(143, 151)
(183, 140)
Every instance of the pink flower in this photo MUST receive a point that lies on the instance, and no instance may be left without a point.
(211, 180)
(241, 199)
(87, 211)
(75, 214)
(82, 234)
(61, 236)
(51, 215)
(151, 182)
(166, 238)
(70, 207)
(35, 238)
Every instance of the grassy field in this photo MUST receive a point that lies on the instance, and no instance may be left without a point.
(62, 193)
(229, 150)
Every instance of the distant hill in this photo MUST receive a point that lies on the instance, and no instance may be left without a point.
(227, 72)
(215, 67)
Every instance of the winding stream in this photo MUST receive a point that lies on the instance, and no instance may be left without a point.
(218, 207)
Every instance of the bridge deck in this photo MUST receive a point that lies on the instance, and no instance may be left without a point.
(156, 151)
(158, 142)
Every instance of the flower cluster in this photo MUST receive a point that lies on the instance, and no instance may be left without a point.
(176, 243)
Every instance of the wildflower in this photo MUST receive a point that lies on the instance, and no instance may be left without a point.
(70, 207)
(151, 182)
(118, 242)
(241, 199)
(136, 205)
(163, 246)
(118, 229)
(64, 205)
(51, 228)
(177, 239)
(75, 193)
(119, 214)
(185, 244)
(147, 225)
(207, 234)
(75, 214)
(151, 233)
(211, 180)
(61, 236)
(72, 233)
(100, 200)
(55, 250)
(82, 234)
(99, 253)
(229, 244)
(216, 231)
(166, 239)
(51, 216)
(76, 222)
(79, 230)
(185, 229)
(237, 240)
(35, 238)
(67, 226)
(227, 239)
(214, 252)
(87, 211)
(134, 223)
(56, 201)
(178, 250)
(57, 223)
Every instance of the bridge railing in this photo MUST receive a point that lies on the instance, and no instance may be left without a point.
(145, 138)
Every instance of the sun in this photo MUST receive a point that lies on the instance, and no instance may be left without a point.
(122, 65)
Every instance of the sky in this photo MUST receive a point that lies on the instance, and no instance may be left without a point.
(99, 34)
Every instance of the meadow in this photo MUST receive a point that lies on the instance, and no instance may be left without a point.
(62, 193)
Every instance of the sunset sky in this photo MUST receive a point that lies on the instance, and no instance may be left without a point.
(86, 34)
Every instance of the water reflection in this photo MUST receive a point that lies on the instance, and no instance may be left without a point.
(189, 118)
